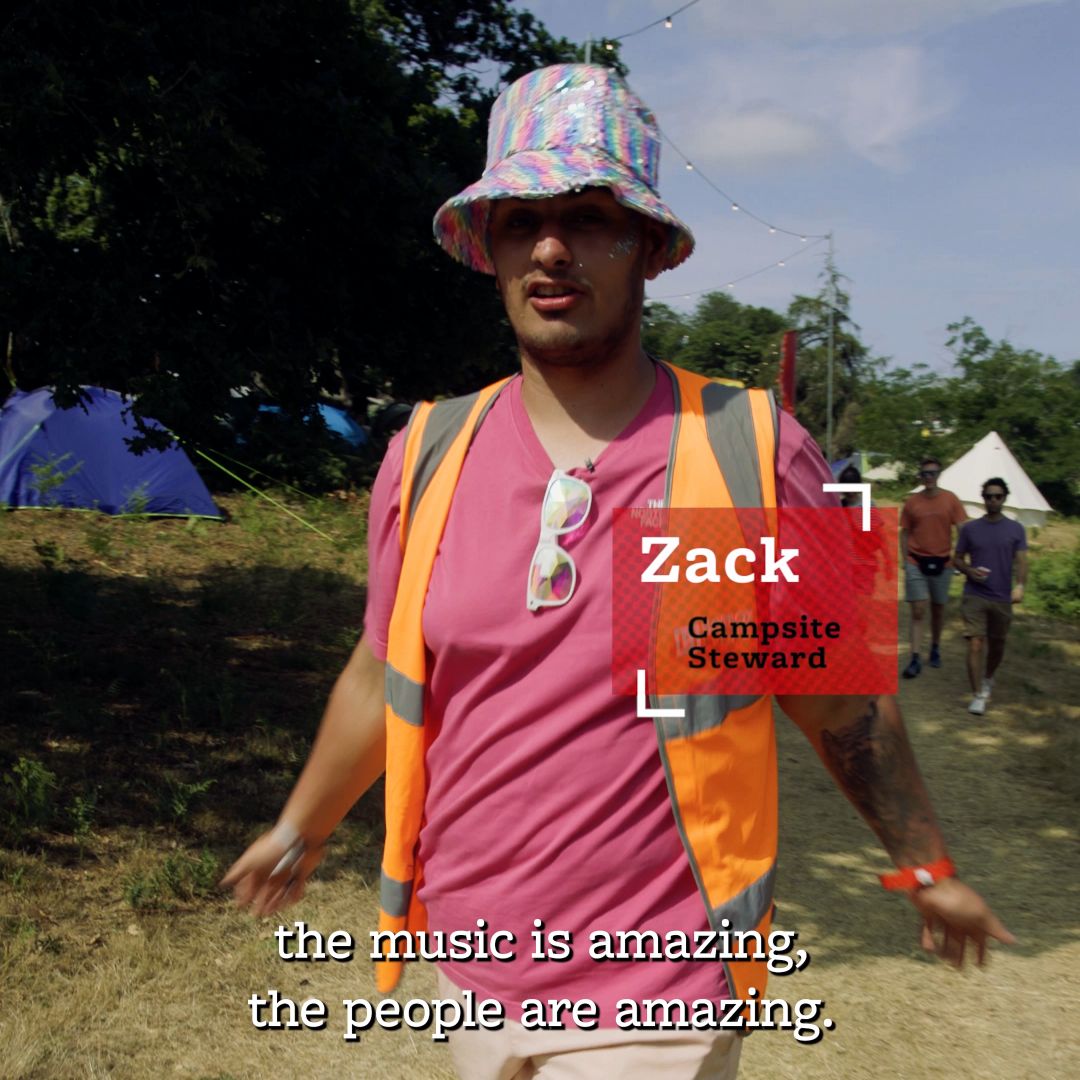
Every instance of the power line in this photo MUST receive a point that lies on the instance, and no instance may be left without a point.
(735, 204)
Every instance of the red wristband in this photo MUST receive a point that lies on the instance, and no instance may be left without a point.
(918, 877)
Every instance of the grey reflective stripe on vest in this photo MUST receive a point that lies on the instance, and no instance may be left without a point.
(771, 397)
(730, 427)
(394, 896)
(748, 908)
(703, 712)
(405, 697)
(444, 422)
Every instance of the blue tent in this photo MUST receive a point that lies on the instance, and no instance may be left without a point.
(337, 420)
(78, 458)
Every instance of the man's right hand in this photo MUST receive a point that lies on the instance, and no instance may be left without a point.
(348, 756)
(266, 879)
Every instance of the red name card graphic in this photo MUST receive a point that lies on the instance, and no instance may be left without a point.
(755, 601)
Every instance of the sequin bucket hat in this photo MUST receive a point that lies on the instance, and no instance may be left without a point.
(556, 130)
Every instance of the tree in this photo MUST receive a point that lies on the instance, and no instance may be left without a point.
(722, 338)
(899, 411)
(734, 341)
(1029, 399)
(198, 199)
(665, 332)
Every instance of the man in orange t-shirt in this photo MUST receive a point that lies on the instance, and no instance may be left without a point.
(926, 525)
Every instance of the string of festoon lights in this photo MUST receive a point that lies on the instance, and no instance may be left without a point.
(668, 21)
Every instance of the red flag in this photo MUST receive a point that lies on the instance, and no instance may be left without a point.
(787, 370)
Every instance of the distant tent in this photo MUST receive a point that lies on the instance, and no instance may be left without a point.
(838, 466)
(888, 470)
(337, 421)
(991, 457)
(78, 458)
(341, 423)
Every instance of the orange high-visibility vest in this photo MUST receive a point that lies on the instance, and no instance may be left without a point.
(719, 759)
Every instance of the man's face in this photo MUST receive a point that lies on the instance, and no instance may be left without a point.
(929, 474)
(571, 270)
(993, 499)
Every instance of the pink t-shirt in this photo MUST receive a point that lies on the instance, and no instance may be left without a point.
(546, 795)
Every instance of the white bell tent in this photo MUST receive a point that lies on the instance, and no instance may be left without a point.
(990, 457)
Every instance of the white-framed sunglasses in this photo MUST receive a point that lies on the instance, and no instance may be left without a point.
(552, 573)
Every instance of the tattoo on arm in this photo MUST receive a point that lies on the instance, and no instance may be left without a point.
(872, 762)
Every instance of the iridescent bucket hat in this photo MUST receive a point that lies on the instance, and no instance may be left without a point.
(556, 130)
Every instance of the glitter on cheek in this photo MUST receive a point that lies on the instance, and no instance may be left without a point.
(621, 248)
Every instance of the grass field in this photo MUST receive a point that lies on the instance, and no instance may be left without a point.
(160, 683)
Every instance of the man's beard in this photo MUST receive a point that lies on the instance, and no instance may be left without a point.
(590, 351)
(593, 351)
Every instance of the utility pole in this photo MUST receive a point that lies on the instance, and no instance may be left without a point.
(588, 49)
(830, 269)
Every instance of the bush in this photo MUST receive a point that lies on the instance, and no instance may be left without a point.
(179, 877)
(28, 797)
(1054, 581)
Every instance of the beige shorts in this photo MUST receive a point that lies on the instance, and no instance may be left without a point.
(985, 618)
(516, 1053)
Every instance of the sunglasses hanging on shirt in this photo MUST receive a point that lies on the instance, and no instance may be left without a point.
(552, 573)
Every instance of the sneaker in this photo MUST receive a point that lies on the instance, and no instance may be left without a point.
(987, 686)
(913, 668)
(935, 656)
(978, 705)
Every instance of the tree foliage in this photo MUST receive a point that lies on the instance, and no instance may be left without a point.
(1029, 399)
(739, 341)
(198, 198)
(720, 338)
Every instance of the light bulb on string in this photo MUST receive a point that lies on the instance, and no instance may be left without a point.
(689, 166)
(667, 23)
(734, 206)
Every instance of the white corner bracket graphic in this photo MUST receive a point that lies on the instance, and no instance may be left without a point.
(864, 489)
(643, 709)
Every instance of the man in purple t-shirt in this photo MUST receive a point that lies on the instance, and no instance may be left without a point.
(988, 552)
(558, 785)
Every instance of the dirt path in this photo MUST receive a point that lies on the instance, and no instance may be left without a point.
(1005, 788)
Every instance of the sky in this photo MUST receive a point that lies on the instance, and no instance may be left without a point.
(935, 139)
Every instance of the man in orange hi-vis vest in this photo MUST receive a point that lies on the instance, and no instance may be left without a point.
(532, 816)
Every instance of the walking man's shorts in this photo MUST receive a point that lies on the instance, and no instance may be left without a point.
(985, 618)
(920, 586)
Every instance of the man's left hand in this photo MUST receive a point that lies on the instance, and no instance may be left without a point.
(954, 914)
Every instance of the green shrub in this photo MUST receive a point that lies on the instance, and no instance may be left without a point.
(1054, 583)
(28, 789)
(178, 795)
(179, 877)
(81, 815)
